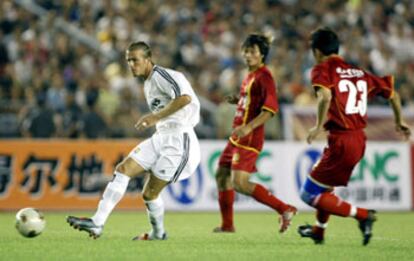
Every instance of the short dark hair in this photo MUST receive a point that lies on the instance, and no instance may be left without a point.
(141, 46)
(325, 40)
(263, 42)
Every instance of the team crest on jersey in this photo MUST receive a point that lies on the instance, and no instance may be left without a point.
(155, 103)
(236, 158)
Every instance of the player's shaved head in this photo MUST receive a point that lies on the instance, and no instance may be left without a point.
(141, 46)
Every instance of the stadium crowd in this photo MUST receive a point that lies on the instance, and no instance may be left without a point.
(53, 85)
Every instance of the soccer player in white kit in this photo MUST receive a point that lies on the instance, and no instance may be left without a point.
(170, 155)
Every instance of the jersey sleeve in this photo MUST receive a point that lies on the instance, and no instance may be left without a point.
(320, 77)
(167, 83)
(183, 84)
(380, 86)
(268, 88)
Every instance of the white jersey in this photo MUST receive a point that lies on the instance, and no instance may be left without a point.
(173, 152)
(164, 85)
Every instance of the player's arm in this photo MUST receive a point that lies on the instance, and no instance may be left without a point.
(151, 119)
(324, 97)
(175, 105)
(400, 125)
(244, 130)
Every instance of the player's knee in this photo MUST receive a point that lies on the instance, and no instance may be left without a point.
(307, 197)
(149, 195)
(120, 168)
(125, 168)
(220, 178)
(222, 173)
(238, 184)
(223, 178)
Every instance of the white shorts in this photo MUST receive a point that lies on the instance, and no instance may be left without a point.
(170, 156)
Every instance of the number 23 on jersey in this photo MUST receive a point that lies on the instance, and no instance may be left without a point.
(355, 103)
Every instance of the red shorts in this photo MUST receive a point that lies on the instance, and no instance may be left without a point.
(236, 158)
(345, 149)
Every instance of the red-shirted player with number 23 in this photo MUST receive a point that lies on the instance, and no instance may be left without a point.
(342, 91)
(256, 104)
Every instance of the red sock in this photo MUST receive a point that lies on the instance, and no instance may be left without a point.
(226, 199)
(262, 195)
(362, 213)
(329, 202)
(322, 217)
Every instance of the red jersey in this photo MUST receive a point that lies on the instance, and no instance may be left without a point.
(350, 87)
(257, 93)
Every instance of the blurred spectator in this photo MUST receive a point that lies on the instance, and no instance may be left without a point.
(71, 117)
(125, 117)
(200, 38)
(6, 81)
(56, 93)
(40, 121)
(225, 112)
(92, 124)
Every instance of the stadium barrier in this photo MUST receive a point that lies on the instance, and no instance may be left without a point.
(382, 180)
(62, 174)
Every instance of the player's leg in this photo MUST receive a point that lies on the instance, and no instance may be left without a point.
(243, 164)
(322, 218)
(331, 203)
(335, 169)
(226, 200)
(323, 199)
(112, 194)
(140, 159)
(225, 190)
(309, 192)
(179, 156)
(242, 184)
(155, 208)
(115, 189)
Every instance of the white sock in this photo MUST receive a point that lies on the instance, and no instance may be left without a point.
(321, 225)
(353, 211)
(155, 210)
(113, 193)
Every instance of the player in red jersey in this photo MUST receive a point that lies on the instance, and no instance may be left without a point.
(256, 104)
(342, 91)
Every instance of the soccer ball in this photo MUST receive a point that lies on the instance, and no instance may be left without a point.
(30, 222)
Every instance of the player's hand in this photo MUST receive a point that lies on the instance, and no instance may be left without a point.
(403, 129)
(242, 131)
(232, 99)
(312, 134)
(146, 122)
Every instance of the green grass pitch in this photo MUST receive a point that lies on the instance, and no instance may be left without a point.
(190, 238)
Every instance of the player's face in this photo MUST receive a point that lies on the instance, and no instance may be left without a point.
(139, 64)
(252, 56)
